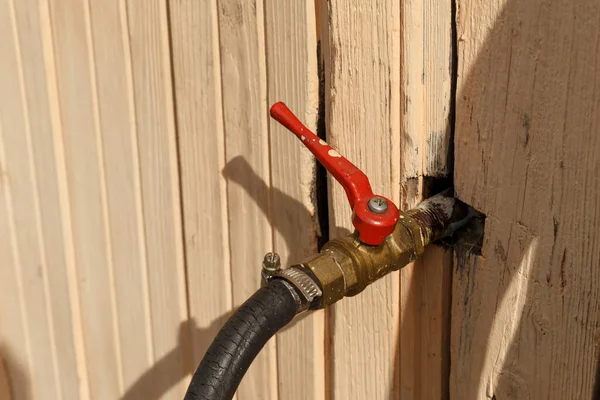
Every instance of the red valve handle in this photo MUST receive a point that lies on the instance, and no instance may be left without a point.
(372, 226)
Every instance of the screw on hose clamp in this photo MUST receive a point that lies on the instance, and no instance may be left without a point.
(303, 283)
(270, 266)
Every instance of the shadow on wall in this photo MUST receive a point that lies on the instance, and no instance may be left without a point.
(14, 383)
(285, 213)
(165, 373)
(520, 110)
(146, 386)
(237, 170)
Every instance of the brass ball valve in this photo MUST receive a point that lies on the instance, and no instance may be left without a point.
(385, 240)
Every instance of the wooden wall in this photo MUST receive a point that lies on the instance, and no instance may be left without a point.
(526, 313)
(141, 183)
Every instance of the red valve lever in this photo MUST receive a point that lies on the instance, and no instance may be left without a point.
(374, 217)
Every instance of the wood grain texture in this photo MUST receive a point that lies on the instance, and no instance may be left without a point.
(525, 320)
(155, 120)
(293, 78)
(245, 113)
(201, 140)
(424, 325)
(425, 138)
(25, 213)
(35, 43)
(15, 343)
(31, 164)
(77, 96)
(363, 122)
(112, 65)
(426, 89)
(136, 134)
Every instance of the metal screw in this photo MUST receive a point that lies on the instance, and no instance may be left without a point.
(270, 265)
(378, 205)
(271, 262)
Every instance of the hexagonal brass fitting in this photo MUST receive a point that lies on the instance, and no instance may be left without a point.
(346, 266)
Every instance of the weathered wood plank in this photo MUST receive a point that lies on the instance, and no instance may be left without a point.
(424, 325)
(425, 104)
(363, 115)
(293, 78)
(525, 318)
(245, 112)
(426, 88)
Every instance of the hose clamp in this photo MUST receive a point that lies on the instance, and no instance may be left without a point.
(303, 283)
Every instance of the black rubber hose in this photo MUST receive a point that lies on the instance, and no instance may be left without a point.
(240, 340)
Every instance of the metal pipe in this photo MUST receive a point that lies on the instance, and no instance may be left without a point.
(346, 266)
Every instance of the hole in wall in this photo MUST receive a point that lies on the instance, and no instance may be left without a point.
(433, 185)
(320, 188)
(469, 240)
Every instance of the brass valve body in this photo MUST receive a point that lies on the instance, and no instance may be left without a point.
(346, 266)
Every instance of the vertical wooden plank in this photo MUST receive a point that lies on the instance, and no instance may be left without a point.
(426, 89)
(154, 111)
(424, 339)
(525, 314)
(37, 69)
(293, 78)
(15, 342)
(201, 140)
(425, 103)
(364, 124)
(77, 94)
(26, 214)
(243, 69)
(112, 65)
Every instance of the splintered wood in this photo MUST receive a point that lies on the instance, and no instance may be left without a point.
(526, 314)
(425, 139)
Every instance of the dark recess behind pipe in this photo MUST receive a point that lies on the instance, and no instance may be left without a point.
(321, 190)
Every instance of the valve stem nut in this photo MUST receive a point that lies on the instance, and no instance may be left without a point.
(270, 266)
